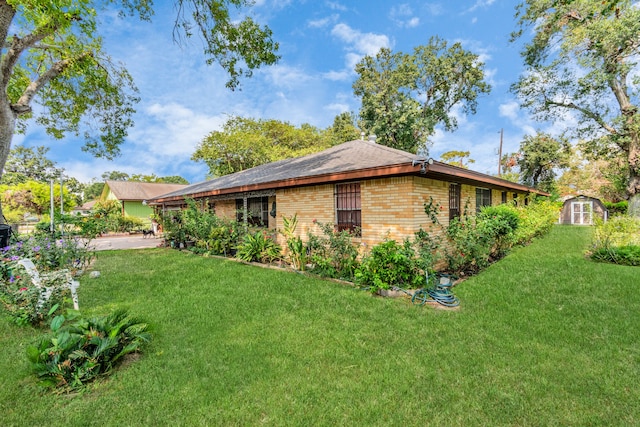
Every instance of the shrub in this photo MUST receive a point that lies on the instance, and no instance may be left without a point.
(26, 303)
(619, 208)
(259, 247)
(81, 350)
(617, 231)
(623, 255)
(387, 265)
(536, 220)
(333, 254)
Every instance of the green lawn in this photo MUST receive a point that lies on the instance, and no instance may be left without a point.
(544, 337)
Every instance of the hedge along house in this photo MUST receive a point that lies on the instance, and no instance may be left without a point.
(373, 190)
(581, 210)
(132, 196)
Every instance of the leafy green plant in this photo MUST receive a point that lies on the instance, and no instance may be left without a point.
(333, 254)
(81, 350)
(297, 249)
(259, 247)
(389, 264)
(27, 304)
(618, 208)
(622, 255)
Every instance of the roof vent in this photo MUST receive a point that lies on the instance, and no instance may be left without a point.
(372, 138)
(362, 136)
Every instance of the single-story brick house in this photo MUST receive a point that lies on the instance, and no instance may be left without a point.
(581, 209)
(358, 185)
(133, 195)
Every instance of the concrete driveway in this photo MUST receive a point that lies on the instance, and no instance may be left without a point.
(135, 241)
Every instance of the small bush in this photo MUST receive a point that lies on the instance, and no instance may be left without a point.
(259, 247)
(28, 304)
(81, 350)
(619, 208)
(333, 254)
(389, 264)
(622, 255)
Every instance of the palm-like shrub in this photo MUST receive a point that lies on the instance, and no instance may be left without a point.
(260, 247)
(80, 350)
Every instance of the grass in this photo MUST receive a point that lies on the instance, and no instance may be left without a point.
(544, 337)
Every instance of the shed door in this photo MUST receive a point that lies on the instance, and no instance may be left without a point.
(582, 213)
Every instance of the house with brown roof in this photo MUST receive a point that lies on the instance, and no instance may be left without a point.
(373, 190)
(133, 196)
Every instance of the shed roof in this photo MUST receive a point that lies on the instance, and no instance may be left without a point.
(356, 159)
(128, 190)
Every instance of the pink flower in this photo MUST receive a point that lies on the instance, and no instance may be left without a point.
(314, 220)
(23, 289)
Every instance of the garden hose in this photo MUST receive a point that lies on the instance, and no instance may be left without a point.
(440, 293)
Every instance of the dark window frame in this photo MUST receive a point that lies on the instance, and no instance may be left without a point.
(257, 212)
(348, 208)
(455, 195)
(483, 198)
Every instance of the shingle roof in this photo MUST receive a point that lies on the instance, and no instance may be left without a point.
(126, 190)
(349, 156)
(351, 160)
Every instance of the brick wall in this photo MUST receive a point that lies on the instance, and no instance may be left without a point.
(226, 209)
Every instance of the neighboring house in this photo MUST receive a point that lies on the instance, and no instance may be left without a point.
(581, 210)
(374, 190)
(85, 209)
(133, 196)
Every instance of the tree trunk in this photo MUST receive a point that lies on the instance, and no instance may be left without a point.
(633, 185)
(7, 128)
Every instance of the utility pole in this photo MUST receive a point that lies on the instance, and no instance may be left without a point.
(500, 153)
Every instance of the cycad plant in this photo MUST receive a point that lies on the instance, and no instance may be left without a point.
(81, 350)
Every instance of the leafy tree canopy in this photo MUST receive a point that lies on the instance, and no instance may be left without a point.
(52, 54)
(457, 158)
(244, 143)
(29, 163)
(583, 61)
(32, 198)
(539, 158)
(405, 96)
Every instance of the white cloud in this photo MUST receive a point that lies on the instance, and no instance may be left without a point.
(337, 76)
(324, 22)
(336, 6)
(509, 110)
(480, 4)
(402, 15)
(362, 43)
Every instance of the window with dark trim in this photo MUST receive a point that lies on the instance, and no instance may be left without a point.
(257, 211)
(504, 197)
(348, 207)
(454, 201)
(483, 198)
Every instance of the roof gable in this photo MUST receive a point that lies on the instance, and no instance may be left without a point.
(128, 190)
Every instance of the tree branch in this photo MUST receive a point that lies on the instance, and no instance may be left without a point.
(18, 45)
(23, 105)
(590, 114)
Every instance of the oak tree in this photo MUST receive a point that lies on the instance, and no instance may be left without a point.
(52, 55)
(405, 96)
(583, 61)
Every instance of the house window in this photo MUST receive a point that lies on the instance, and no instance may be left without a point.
(257, 211)
(515, 199)
(504, 197)
(483, 198)
(348, 207)
(454, 201)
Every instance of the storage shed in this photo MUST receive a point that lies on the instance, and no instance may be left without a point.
(581, 210)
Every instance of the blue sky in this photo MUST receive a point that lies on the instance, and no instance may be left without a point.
(182, 99)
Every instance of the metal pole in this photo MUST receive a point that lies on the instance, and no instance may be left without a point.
(51, 209)
(61, 199)
(61, 207)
